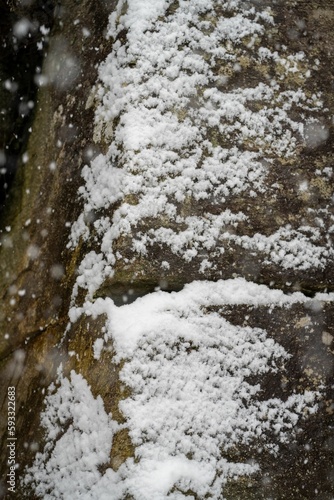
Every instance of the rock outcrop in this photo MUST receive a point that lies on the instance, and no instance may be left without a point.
(166, 256)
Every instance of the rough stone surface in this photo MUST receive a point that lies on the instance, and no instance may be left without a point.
(292, 209)
(38, 272)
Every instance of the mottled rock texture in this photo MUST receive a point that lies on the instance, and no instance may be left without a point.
(258, 101)
(293, 200)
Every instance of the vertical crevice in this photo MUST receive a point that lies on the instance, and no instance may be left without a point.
(24, 30)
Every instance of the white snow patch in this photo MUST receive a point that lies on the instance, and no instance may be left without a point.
(191, 399)
(291, 249)
(78, 440)
(177, 134)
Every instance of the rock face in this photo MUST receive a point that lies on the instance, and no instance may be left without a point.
(24, 35)
(175, 144)
(227, 90)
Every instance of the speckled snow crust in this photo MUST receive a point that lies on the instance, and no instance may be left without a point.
(79, 439)
(191, 399)
(177, 133)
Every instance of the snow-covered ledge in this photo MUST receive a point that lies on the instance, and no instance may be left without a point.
(196, 396)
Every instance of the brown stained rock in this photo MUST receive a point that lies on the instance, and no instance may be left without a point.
(37, 272)
(298, 189)
(30, 369)
(35, 290)
(304, 468)
(304, 330)
(33, 367)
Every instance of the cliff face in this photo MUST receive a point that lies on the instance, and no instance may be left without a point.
(174, 144)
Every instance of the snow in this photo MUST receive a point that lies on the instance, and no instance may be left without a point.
(177, 134)
(288, 248)
(133, 319)
(79, 439)
(182, 426)
(22, 27)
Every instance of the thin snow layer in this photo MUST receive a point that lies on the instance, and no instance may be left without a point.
(179, 135)
(78, 441)
(192, 399)
(289, 248)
